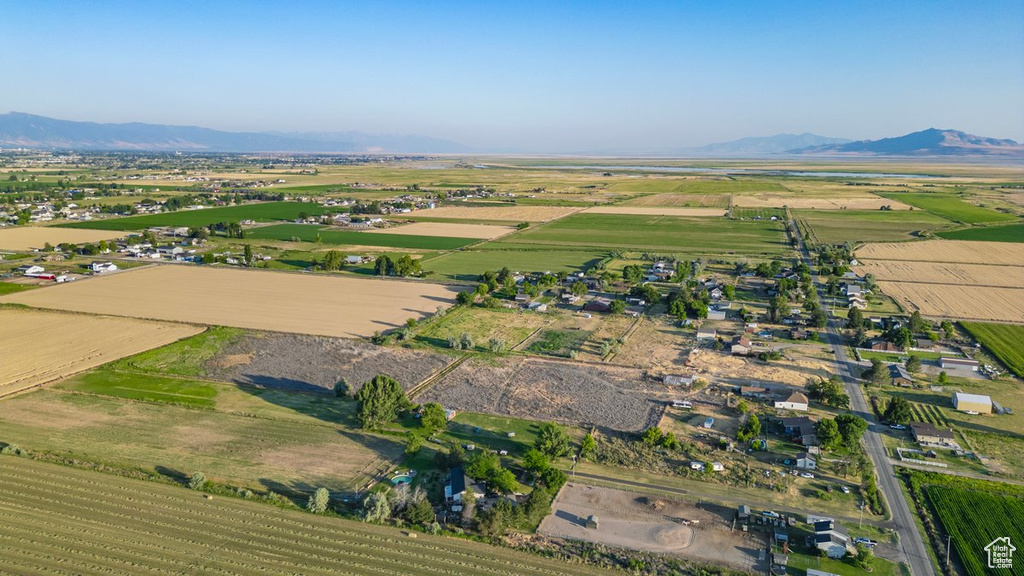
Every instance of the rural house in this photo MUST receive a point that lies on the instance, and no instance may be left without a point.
(740, 346)
(900, 376)
(884, 346)
(674, 380)
(795, 401)
(926, 433)
(805, 461)
(706, 333)
(597, 305)
(831, 538)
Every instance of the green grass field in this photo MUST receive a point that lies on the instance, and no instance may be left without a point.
(654, 184)
(63, 520)
(469, 264)
(8, 288)
(894, 357)
(146, 387)
(1011, 233)
(310, 233)
(1004, 341)
(974, 519)
(560, 343)
(669, 234)
(951, 207)
(837, 226)
(182, 358)
(482, 324)
(262, 212)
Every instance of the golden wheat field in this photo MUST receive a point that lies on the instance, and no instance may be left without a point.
(38, 346)
(839, 202)
(945, 273)
(510, 213)
(656, 211)
(966, 251)
(447, 230)
(959, 302)
(680, 199)
(261, 300)
(33, 237)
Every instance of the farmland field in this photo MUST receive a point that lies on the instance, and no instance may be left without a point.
(694, 185)
(33, 237)
(446, 230)
(974, 519)
(680, 200)
(305, 304)
(121, 525)
(945, 251)
(663, 233)
(945, 273)
(42, 346)
(656, 211)
(482, 324)
(837, 226)
(837, 202)
(951, 207)
(508, 213)
(959, 302)
(1011, 233)
(1002, 340)
(261, 212)
(469, 264)
(313, 232)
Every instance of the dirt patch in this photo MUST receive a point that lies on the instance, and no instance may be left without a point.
(478, 231)
(32, 237)
(316, 363)
(256, 299)
(613, 397)
(657, 211)
(658, 525)
(722, 367)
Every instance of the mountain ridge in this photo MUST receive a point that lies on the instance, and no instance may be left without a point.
(928, 142)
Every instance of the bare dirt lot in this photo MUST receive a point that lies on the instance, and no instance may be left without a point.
(33, 237)
(721, 367)
(945, 273)
(510, 213)
(613, 397)
(261, 300)
(38, 347)
(657, 525)
(1003, 253)
(959, 302)
(316, 363)
(656, 211)
(838, 202)
(452, 230)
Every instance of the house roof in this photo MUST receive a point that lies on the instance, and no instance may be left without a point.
(796, 421)
(960, 361)
(457, 480)
(804, 455)
(897, 371)
(797, 398)
(927, 429)
(972, 398)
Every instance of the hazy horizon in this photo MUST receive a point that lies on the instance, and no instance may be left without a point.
(531, 76)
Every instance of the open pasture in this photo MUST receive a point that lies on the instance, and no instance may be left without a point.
(447, 230)
(261, 300)
(951, 207)
(661, 233)
(260, 212)
(680, 200)
(661, 184)
(834, 202)
(959, 302)
(36, 237)
(321, 234)
(998, 253)
(838, 226)
(510, 213)
(656, 211)
(945, 273)
(469, 264)
(38, 347)
(1011, 233)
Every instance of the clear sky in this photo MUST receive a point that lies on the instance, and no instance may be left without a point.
(532, 76)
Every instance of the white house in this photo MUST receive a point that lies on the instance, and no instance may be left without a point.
(805, 461)
(795, 401)
(29, 269)
(101, 267)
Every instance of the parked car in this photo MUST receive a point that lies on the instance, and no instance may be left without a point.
(845, 489)
(806, 475)
(897, 426)
(972, 412)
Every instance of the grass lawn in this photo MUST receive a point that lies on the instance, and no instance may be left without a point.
(261, 212)
(184, 357)
(144, 387)
(898, 357)
(512, 326)
(670, 234)
(1011, 233)
(837, 226)
(1004, 341)
(311, 232)
(469, 264)
(951, 207)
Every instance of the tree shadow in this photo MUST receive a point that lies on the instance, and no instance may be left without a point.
(175, 475)
(279, 383)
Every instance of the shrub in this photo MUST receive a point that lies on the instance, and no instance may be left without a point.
(197, 481)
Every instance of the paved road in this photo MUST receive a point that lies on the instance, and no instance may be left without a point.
(910, 538)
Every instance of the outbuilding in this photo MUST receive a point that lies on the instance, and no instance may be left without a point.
(961, 363)
(972, 403)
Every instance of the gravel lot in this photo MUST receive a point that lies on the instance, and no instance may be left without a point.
(610, 397)
(316, 363)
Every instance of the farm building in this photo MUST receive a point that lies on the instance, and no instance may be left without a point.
(598, 305)
(759, 392)
(677, 380)
(972, 403)
(716, 314)
(900, 376)
(795, 401)
(29, 269)
(740, 346)
(946, 363)
(805, 461)
(706, 333)
(925, 433)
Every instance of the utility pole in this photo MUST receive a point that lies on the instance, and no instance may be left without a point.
(948, 539)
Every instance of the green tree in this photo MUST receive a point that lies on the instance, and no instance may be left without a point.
(465, 298)
(420, 512)
(917, 323)
(943, 378)
(913, 363)
(433, 417)
(383, 266)
(537, 505)
(497, 346)
(729, 291)
(818, 318)
(247, 257)
(617, 307)
(864, 557)
(651, 436)
(778, 308)
(502, 480)
(947, 329)
(878, 374)
(854, 318)
(466, 341)
(553, 440)
(342, 388)
(318, 501)
(376, 508)
(633, 274)
(483, 464)
(897, 411)
(380, 401)
(751, 429)
(578, 289)
(535, 461)
(553, 478)
(851, 429)
(197, 481)
(828, 435)
(588, 447)
(333, 260)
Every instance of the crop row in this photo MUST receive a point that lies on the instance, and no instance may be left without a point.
(974, 519)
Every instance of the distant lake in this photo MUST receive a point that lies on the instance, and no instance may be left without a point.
(741, 171)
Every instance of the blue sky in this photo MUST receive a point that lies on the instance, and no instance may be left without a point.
(532, 76)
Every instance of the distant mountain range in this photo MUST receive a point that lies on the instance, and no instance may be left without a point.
(29, 131)
(930, 142)
(761, 145)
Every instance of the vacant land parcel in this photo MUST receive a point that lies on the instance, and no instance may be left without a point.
(509, 213)
(951, 207)
(262, 212)
(316, 233)
(36, 237)
(327, 306)
(447, 230)
(837, 226)
(1011, 233)
(42, 346)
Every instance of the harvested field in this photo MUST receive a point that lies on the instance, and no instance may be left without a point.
(315, 363)
(42, 346)
(612, 397)
(830, 203)
(1001, 253)
(105, 524)
(945, 273)
(959, 302)
(681, 200)
(629, 520)
(655, 211)
(444, 229)
(32, 237)
(510, 213)
(304, 304)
